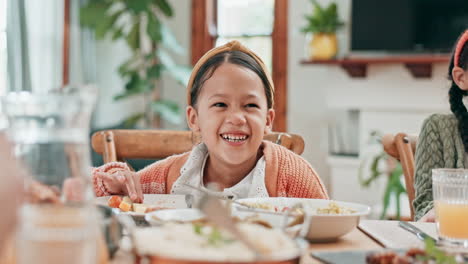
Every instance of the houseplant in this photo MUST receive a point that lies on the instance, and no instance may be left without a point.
(140, 24)
(380, 164)
(322, 24)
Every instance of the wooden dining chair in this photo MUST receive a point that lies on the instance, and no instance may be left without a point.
(402, 147)
(119, 144)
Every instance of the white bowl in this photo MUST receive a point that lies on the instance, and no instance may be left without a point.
(323, 227)
(174, 215)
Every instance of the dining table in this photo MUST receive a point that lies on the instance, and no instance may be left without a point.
(369, 235)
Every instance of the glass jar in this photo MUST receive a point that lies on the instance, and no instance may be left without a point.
(50, 136)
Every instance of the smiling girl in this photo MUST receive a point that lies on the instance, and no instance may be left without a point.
(230, 104)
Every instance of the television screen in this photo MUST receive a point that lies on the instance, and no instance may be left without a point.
(407, 25)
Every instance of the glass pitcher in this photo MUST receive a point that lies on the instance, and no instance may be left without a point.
(50, 136)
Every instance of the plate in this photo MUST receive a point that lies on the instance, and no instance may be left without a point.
(350, 256)
(170, 201)
(174, 215)
(322, 227)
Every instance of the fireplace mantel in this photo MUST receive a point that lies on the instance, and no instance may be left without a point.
(419, 65)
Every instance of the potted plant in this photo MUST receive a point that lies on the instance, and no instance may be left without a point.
(139, 23)
(381, 164)
(322, 24)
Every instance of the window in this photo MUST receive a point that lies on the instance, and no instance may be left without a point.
(260, 25)
(248, 21)
(3, 45)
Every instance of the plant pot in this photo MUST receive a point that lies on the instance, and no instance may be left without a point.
(323, 46)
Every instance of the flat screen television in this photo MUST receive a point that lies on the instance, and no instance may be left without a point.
(407, 26)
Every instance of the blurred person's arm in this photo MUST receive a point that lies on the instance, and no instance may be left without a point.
(429, 155)
(11, 190)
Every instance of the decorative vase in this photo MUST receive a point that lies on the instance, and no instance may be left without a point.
(323, 46)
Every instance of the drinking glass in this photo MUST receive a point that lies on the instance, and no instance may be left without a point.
(50, 136)
(450, 189)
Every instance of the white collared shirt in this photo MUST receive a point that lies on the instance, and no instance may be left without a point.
(253, 185)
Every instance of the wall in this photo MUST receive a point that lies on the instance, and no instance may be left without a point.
(389, 98)
(315, 90)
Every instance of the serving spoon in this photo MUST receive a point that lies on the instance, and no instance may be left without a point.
(219, 215)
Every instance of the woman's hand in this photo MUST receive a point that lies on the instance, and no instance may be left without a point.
(428, 217)
(123, 182)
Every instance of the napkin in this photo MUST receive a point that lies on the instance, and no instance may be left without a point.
(390, 235)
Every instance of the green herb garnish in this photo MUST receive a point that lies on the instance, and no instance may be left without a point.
(436, 254)
(197, 228)
(214, 238)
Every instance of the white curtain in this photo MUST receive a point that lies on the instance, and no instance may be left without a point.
(82, 48)
(35, 43)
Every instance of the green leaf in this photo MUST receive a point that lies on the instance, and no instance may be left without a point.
(434, 253)
(197, 228)
(386, 200)
(126, 94)
(165, 59)
(154, 28)
(154, 72)
(165, 7)
(92, 13)
(118, 33)
(135, 86)
(323, 20)
(106, 24)
(168, 110)
(374, 172)
(124, 70)
(180, 73)
(133, 38)
(169, 41)
(130, 122)
(138, 6)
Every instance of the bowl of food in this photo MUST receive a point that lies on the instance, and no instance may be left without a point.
(205, 243)
(324, 220)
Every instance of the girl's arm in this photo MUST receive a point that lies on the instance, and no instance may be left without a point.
(117, 178)
(429, 155)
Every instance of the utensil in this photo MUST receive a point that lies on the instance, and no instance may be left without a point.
(220, 215)
(418, 232)
(208, 193)
(189, 200)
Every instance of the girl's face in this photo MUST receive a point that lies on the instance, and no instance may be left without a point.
(232, 114)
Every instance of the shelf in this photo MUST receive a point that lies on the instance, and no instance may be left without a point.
(420, 66)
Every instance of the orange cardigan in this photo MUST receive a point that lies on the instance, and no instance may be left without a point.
(286, 174)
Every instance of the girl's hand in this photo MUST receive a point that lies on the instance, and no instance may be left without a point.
(123, 182)
(428, 217)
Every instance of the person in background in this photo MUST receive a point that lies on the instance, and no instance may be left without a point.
(230, 104)
(443, 141)
(11, 190)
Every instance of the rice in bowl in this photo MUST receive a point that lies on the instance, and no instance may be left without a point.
(207, 243)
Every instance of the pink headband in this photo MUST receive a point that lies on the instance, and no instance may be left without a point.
(458, 49)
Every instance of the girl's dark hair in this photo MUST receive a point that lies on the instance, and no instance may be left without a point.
(235, 57)
(456, 95)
